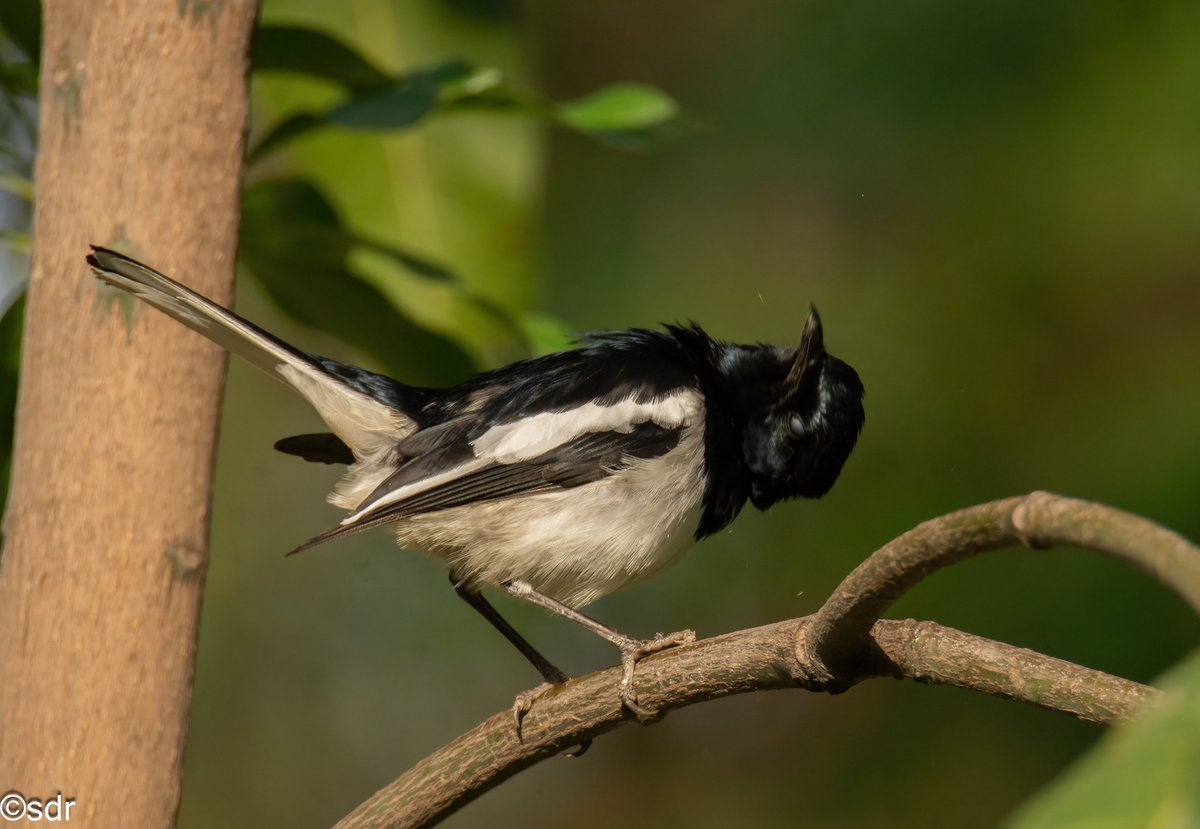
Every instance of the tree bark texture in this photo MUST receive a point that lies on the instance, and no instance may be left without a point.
(142, 120)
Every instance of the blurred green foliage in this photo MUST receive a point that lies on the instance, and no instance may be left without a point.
(632, 116)
(1144, 774)
(994, 207)
(21, 25)
(299, 250)
(293, 238)
(20, 30)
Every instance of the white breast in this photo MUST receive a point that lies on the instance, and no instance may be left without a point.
(579, 544)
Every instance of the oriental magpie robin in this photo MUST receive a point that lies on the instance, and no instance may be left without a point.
(562, 478)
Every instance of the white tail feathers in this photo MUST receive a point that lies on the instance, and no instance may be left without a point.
(367, 425)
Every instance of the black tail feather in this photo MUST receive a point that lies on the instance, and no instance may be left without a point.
(318, 448)
(342, 530)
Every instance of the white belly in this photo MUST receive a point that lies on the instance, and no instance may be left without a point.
(579, 544)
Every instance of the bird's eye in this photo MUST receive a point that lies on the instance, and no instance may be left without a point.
(797, 425)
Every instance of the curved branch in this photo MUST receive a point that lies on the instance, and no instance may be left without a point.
(749, 660)
(839, 631)
(839, 646)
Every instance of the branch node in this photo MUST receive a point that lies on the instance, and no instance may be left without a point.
(1025, 517)
(835, 672)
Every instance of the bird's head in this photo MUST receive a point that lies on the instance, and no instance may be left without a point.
(800, 429)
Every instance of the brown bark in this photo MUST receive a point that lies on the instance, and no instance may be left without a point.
(841, 645)
(760, 659)
(143, 112)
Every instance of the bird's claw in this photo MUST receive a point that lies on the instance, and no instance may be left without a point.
(525, 700)
(631, 653)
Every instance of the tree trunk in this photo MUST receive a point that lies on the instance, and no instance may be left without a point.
(143, 113)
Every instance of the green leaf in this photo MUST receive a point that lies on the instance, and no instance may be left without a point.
(619, 107)
(627, 116)
(311, 52)
(21, 20)
(403, 102)
(462, 82)
(1144, 774)
(395, 104)
(293, 241)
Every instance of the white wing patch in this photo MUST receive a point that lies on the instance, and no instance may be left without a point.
(534, 436)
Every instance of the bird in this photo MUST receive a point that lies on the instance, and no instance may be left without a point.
(563, 478)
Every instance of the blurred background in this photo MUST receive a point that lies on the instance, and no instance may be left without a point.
(995, 207)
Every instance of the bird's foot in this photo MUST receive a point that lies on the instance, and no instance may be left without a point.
(632, 652)
(524, 702)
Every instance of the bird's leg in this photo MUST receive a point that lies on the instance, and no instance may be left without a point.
(552, 675)
(632, 649)
(549, 672)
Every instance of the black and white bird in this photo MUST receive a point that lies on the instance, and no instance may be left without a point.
(563, 478)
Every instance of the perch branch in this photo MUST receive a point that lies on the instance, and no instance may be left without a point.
(751, 660)
(842, 644)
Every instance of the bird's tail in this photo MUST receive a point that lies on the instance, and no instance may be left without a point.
(361, 408)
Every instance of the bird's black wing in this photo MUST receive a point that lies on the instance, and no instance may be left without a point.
(585, 459)
(551, 423)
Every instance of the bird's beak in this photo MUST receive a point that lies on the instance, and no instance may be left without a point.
(806, 367)
(759, 496)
